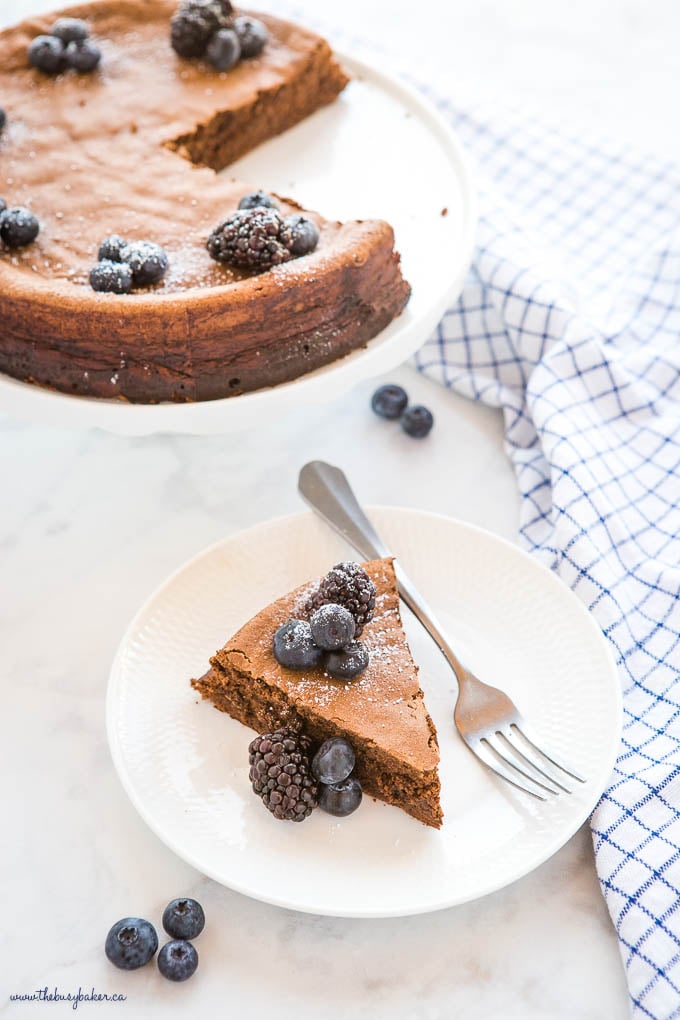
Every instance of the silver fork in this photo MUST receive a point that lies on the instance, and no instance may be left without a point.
(487, 720)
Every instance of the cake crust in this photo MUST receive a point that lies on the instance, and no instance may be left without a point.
(133, 150)
(382, 713)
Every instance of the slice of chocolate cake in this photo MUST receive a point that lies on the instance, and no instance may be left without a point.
(381, 712)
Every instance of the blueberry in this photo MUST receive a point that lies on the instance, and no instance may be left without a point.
(18, 227)
(111, 248)
(224, 49)
(3, 206)
(348, 663)
(83, 56)
(252, 35)
(147, 261)
(257, 199)
(417, 421)
(341, 799)
(70, 30)
(111, 277)
(46, 52)
(334, 761)
(305, 234)
(332, 627)
(131, 943)
(177, 960)
(389, 401)
(184, 919)
(3, 119)
(294, 646)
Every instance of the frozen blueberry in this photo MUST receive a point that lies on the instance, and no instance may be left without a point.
(70, 30)
(131, 943)
(347, 663)
(417, 421)
(294, 646)
(111, 277)
(184, 919)
(341, 799)
(224, 49)
(46, 52)
(389, 401)
(305, 234)
(3, 119)
(177, 960)
(257, 199)
(147, 261)
(332, 627)
(18, 227)
(83, 56)
(111, 248)
(252, 35)
(334, 761)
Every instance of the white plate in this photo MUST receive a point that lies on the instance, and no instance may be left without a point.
(380, 151)
(184, 765)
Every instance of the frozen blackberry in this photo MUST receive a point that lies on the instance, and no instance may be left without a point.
(47, 53)
(305, 234)
(223, 50)
(347, 663)
(281, 774)
(70, 30)
(257, 199)
(83, 55)
(147, 261)
(111, 248)
(111, 277)
(252, 35)
(252, 238)
(18, 227)
(195, 22)
(348, 585)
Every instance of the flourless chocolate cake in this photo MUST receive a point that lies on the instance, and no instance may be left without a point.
(381, 712)
(132, 149)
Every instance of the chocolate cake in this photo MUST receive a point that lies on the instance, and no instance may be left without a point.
(381, 712)
(132, 149)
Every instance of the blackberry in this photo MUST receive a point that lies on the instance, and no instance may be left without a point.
(70, 30)
(305, 234)
(18, 227)
(83, 56)
(47, 53)
(195, 22)
(281, 774)
(224, 50)
(178, 960)
(348, 585)
(111, 277)
(252, 35)
(252, 238)
(257, 199)
(417, 421)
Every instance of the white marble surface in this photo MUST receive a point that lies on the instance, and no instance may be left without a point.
(91, 523)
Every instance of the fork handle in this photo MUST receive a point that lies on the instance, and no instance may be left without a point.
(328, 492)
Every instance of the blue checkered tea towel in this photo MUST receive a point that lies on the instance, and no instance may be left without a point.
(570, 323)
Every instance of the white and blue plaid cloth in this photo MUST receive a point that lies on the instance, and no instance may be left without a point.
(570, 323)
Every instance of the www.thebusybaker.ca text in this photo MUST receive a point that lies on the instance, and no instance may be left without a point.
(45, 995)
